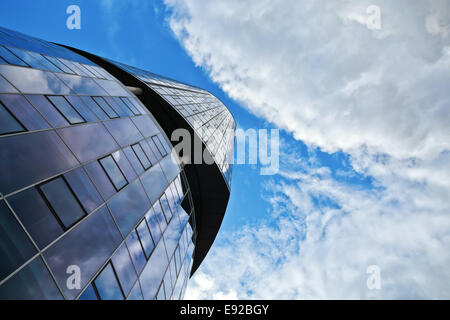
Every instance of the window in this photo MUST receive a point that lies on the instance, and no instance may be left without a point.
(81, 108)
(146, 125)
(137, 166)
(24, 111)
(100, 179)
(159, 145)
(33, 282)
(89, 293)
(131, 106)
(15, 247)
(33, 80)
(124, 107)
(136, 293)
(36, 216)
(66, 109)
(154, 182)
(81, 85)
(30, 60)
(146, 238)
(95, 108)
(8, 124)
(47, 110)
(10, 57)
(124, 165)
(44, 63)
(141, 156)
(5, 86)
(124, 131)
(105, 107)
(88, 246)
(161, 295)
(124, 268)
(154, 149)
(84, 189)
(153, 225)
(59, 64)
(113, 172)
(129, 206)
(159, 215)
(107, 286)
(19, 168)
(166, 208)
(63, 201)
(136, 251)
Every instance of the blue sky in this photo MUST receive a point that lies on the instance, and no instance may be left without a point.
(364, 143)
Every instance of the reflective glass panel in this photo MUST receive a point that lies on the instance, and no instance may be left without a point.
(62, 201)
(141, 155)
(84, 189)
(107, 286)
(6, 87)
(154, 182)
(153, 225)
(44, 106)
(10, 57)
(136, 251)
(88, 246)
(112, 87)
(33, 80)
(95, 108)
(24, 111)
(137, 166)
(33, 282)
(145, 237)
(36, 216)
(66, 109)
(89, 141)
(129, 206)
(89, 294)
(146, 125)
(153, 273)
(7, 122)
(124, 268)
(81, 85)
(15, 247)
(124, 165)
(113, 171)
(81, 108)
(59, 64)
(100, 179)
(45, 155)
(105, 107)
(136, 293)
(124, 131)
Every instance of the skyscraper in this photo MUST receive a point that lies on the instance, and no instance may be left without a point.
(92, 203)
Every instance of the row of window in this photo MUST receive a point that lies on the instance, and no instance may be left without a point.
(17, 114)
(53, 207)
(116, 279)
(25, 58)
(63, 196)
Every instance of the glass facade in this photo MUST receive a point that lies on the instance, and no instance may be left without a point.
(207, 115)
(91, 204)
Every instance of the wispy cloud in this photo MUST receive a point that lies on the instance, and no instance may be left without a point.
(380, 96)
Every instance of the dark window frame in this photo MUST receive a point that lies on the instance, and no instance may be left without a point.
(106, 172)
(112, 109)
(62, 114)
(115, 276)
(53, 211)
(137, 144)
(16, 119)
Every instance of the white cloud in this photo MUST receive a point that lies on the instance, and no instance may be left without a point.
(313, 68)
